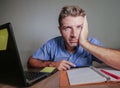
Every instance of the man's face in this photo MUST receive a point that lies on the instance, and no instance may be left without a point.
(70, 30)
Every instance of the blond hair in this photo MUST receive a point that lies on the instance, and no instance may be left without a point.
(70, 11)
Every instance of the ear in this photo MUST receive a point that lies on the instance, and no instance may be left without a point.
(59, 28)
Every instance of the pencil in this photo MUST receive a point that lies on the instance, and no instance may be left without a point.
(110, 74)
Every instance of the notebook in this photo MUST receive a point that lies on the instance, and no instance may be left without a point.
(92, 75)
(11, 70)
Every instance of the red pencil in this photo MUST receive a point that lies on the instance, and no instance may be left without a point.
(110, 74)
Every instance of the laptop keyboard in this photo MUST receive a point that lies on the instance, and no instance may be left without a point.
(33, 75)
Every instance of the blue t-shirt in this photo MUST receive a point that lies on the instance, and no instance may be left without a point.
(54, 50)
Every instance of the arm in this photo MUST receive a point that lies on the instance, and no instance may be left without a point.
(60, 65)
(110, 57)
(32, 62)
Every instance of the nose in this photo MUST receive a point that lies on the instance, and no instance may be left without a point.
(73, 33)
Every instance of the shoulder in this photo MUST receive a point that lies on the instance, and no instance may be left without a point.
(55, 41)
(95, 41)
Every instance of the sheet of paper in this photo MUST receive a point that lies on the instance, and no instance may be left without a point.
(84, 76)
(3, 39)
(48, 69)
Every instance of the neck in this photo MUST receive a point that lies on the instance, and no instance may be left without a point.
(70, 49)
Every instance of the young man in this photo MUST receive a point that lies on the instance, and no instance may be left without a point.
(74, 47)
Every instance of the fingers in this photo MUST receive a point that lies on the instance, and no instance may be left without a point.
(85, 26)
(70, 63)
(84, 32)
(65, 65)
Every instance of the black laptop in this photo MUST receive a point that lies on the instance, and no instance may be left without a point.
(11, 70)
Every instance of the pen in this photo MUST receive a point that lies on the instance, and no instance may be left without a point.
(78, 65)
(110, 74)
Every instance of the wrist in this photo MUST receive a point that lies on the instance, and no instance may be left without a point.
(52, 64)
(84, 43)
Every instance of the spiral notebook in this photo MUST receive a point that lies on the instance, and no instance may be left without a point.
(89, 75)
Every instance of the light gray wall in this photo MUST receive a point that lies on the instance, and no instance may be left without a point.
(35, 21)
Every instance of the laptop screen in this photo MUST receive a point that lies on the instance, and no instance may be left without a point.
(10, 64)
(8, 48)
(11, 70)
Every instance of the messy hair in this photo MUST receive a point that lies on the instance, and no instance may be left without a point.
(70, 11)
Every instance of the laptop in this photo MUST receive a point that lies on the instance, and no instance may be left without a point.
(11, 70)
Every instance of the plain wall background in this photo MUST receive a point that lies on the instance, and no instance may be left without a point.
(36, 21)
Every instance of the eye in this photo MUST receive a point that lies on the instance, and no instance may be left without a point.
(66, 28)
(79, 27)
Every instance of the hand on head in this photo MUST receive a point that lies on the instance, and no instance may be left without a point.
(84, 32)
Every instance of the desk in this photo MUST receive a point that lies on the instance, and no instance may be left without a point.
(53, 82)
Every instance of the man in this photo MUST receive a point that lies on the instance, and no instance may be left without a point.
(74, 47)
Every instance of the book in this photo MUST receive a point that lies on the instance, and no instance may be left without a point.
(92, 75)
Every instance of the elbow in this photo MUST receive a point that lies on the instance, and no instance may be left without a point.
(30, 62)
(118, 68)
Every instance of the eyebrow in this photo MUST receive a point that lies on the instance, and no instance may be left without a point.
(64, 26)
(80, 25)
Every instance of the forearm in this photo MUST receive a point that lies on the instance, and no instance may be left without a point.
(60, 65)
(38, 63)
(108, 56)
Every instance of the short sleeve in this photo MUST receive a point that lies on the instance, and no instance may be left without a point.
(43, 52)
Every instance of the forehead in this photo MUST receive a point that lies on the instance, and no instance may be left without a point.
(70, 20)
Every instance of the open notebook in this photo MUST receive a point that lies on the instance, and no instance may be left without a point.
(89, 75)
